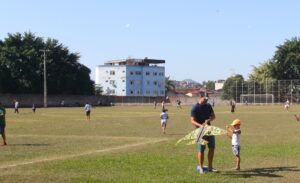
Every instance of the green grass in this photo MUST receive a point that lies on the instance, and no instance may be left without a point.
(125, 144)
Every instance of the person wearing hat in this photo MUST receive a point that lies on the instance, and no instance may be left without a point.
(202, 113)
(2, 124)
(235, 135)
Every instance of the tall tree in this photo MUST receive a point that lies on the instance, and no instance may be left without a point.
(286, 61)
(169, 85)
(21, 67)
(230, 90)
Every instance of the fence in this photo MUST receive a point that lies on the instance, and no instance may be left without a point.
(267, 91)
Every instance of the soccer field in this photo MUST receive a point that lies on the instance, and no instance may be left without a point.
(125, 144)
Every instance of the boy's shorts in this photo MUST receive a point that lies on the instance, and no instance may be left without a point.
(163, 121)
(88, 113)
(2, 127)
(211, 143)
(236, 150)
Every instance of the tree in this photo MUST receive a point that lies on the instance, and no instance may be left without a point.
(210, 85)
(169, 85)
(262, 72)
(286, 61)
(229, 89)
(21, 66)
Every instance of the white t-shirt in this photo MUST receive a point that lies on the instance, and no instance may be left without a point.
(87, 107)
(164, 117)
(236, 138)
(16, 104)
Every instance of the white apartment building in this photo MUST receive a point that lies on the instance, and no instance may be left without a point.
(132, 77)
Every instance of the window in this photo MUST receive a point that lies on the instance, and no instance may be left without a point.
(161, 73)
(155, 92)
(112, 82)
(138, 72)
(112, 91)
(138, 82)
(123, 81)
(148, 92)
(131, 72)
(138, 92)
(155, 83)
(131, 82)
(148, 82)
(112, 72)
(147, 73)
(131, 91)
(106, 81)
(155, 73)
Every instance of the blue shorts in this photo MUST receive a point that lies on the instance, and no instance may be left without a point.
(2, 127)
(236, 149)
(211, 143)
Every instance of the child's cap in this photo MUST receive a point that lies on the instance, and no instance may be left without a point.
(236, 122)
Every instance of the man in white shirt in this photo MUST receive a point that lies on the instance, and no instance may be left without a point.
(87, 109)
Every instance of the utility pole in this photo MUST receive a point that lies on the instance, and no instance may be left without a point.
(45, 77)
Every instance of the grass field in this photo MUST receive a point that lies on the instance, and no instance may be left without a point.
(125, 144)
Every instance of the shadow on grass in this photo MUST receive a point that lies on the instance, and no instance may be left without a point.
(35, 145)
(261, 172)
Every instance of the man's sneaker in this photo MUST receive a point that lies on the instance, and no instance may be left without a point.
(201, 170)
(212, 170)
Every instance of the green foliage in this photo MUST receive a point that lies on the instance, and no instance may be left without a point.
(229, 88)
(210, 85)
(21, 67)
(169, 85)
(261, 72)
(286, 61)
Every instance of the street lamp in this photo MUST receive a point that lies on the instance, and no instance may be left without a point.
(45, 76)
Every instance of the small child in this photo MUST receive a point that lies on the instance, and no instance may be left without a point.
(164, 119)
(235, 135)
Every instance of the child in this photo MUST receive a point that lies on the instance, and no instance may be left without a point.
(164, 119)
(87, 109)
(235, 135)
(2, 124)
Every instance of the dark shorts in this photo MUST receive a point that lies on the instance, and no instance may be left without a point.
(211, 143)
(88, 113)
(236, 149)
(2, 128)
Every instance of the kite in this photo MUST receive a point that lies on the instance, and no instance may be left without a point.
(195, 137)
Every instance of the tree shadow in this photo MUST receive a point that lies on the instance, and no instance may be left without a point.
(35, 145)
(261, 172)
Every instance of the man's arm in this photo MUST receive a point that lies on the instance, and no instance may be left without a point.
(194, 122)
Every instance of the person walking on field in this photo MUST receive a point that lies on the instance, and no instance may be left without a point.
(16, 103)
(87, 109)
(202, 113)
(2, 124)
(164, 120)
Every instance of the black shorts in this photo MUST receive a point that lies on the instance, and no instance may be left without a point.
(88, 113)
(2, 128)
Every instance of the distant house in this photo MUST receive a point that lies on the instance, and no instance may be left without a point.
(219, 85)
(132, 77)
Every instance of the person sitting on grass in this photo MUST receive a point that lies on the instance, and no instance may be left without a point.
(163, 120)
(234, 132)
(2, 124)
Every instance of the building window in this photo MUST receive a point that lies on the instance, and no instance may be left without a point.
(131, 91)
(148, 82)
(131, 82)
(112, 82)
(155, 83)
(131, 72)
(112, 91)
(112, 73)
(155, 92)
(161, 73)
(123, 90)
(123, 71)
(138, 82)
(147, 73)
(138, 72)
(138, 92)
(106, 81)
(155, 73)
(123, 81)
(147, 92)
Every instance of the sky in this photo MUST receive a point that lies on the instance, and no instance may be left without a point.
(199, 39)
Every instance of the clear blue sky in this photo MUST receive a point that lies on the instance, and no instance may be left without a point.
(199, 39)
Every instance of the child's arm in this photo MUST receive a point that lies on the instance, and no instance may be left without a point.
(229, 131)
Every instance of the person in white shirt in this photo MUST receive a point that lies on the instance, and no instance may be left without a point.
(235, 135)
(163, 120)
(287, 105)
(87, 109)
(16, 106)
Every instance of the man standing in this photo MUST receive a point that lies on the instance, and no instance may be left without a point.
(2, 124)
(16, 106)
(202, 113)
(87, 109)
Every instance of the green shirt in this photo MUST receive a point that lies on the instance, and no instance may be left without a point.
(2, 116)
